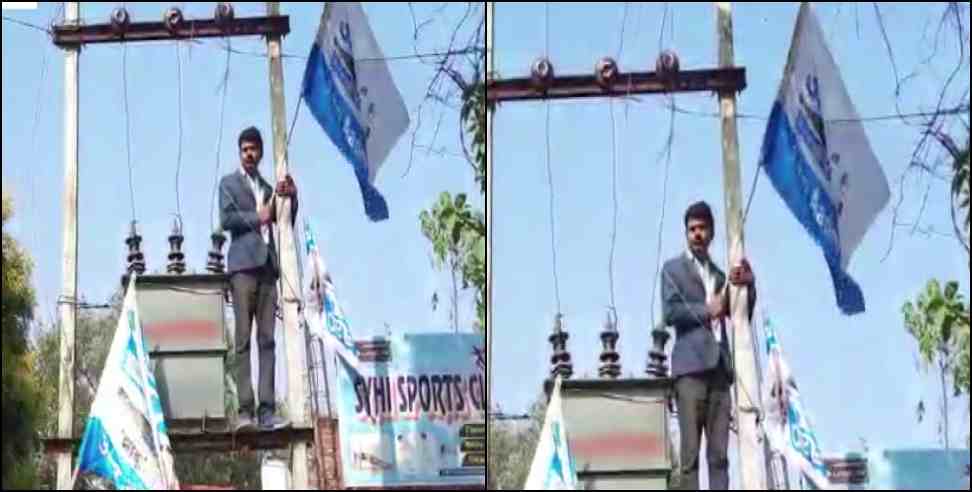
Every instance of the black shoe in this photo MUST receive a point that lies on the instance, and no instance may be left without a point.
(269, 423)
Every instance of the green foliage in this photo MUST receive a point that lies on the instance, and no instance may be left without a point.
(20, 391)
(240, 470)
(939, 322)
(511, 448)
(95, 331)
(456, 231)
(458, 237)
(939, 319)
(960, 185)
(474, 116)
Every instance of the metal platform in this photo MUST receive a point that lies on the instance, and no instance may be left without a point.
(211, 441)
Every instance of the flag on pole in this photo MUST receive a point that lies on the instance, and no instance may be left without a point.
(553, 464)
(350, 91)
(787, 426)
(325, 317)
(126, 440)
(816, 153)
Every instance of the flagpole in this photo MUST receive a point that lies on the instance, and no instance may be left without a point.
(751, 456)
(293, 339)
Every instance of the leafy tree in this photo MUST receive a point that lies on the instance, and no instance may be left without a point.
(456, 231)
(453, 229)
(939, 322)
(20, 401)
(95, 332)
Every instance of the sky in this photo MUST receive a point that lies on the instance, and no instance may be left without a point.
(858, 375)
(383, 271)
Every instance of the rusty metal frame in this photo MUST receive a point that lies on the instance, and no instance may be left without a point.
(66, 35)
(210, 442)
(586, 86)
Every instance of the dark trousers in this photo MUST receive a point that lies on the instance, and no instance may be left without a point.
(704, 405)
(255, 297)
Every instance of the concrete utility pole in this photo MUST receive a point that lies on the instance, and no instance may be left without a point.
(293, 334)
(67, 305)
(751, 455)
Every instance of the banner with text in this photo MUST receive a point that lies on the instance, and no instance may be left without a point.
(415, 415)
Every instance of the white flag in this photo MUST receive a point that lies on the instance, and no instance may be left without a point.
(787, 426)
(350, 91)
(126, 440)
(818, 157)
(324, 314)
(553, 464)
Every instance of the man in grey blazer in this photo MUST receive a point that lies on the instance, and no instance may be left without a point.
(695, 303)
(247, 207)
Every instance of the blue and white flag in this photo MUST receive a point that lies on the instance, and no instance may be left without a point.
(553, 464)
(818, 157)
(126, 440)
(325, 317)
(787, 426)
(350, 92)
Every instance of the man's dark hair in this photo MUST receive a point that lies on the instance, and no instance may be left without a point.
(251, 134)
(700, 211)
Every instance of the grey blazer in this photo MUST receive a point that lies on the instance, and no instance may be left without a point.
(683, 306)
(238, 217)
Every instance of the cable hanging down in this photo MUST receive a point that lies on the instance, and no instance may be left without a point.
(550, 184)
(179, 145)
(666, 153)
(614, 201)
(223, 88)
(128, 134)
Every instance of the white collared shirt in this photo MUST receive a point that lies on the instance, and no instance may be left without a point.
(256, 189)
(707, 274)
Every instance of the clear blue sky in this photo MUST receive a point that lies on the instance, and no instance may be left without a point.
(383, 271)
(858, 375)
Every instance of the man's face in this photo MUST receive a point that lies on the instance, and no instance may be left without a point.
(699, 236)
(250, 155)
